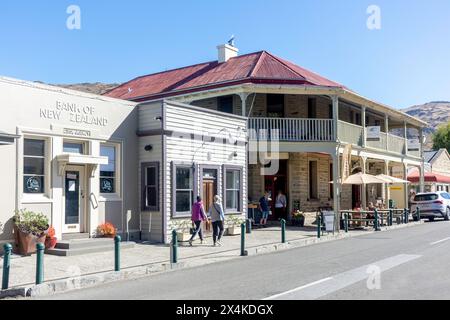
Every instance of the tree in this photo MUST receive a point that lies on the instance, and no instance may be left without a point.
(441, 138)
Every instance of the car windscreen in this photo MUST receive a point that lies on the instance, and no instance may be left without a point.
(426, 197)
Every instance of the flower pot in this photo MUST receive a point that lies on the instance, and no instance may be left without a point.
(233, 231)
(25, 243)
(298, 222)
(50, 243)
(183, 236)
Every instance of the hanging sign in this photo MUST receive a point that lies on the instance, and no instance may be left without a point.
(374, 133)
(413, 145)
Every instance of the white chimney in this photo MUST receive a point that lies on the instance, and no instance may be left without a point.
(226, 52)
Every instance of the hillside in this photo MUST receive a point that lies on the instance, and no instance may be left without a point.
(95, 88)
(434, 113)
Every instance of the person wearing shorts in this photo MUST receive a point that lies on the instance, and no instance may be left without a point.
(264, 207)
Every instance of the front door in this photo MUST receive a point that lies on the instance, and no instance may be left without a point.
(74, 194)
(208, 199)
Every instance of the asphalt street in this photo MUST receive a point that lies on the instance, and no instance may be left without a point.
(410, 263)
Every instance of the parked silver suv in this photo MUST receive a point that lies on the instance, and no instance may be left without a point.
(432, 205)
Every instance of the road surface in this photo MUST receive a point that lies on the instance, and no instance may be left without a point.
(410, 263)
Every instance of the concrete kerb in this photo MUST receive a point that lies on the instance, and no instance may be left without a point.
(91, 280)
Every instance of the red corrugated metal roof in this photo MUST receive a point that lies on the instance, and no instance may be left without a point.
(429, 177)
(258, 67)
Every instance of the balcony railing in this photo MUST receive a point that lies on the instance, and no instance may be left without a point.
(350, 133)
(292, 129)
(322, 130)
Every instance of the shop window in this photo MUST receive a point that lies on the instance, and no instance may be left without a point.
(233, 189)
(275, 105)
(183, 189)
(225, 104)
(108, 172)
(313, 184)
(150, 186)
(34, 166)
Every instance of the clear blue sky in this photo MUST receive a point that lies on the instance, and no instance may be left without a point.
(407, 62)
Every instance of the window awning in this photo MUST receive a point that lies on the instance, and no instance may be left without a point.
(79, 159)
(7, 138)
(429, 177)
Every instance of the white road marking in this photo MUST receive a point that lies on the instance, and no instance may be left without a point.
(327, 286)
(298, 289)
(436, 242)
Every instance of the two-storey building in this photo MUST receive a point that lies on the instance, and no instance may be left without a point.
(312, 118)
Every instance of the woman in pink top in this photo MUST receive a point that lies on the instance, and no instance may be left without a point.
(198, 216)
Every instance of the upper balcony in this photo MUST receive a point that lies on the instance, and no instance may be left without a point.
(322, 130)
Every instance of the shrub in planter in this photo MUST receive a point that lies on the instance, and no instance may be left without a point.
(106, 230)
(29, 229)
(50, 239)
(298, 218)
(234, 225)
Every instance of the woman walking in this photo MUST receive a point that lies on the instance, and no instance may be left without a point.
(217, 217)
(198, 216)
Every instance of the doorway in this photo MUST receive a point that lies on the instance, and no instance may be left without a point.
(275, 183)
(209, 190)
(74, 199)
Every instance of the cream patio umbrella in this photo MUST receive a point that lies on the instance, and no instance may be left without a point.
(390, 179)
(363, 178)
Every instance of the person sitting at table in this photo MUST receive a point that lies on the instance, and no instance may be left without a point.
(371, 212)
(356, 214)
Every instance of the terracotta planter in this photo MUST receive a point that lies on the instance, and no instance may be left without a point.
(50, 243)
(25, 243)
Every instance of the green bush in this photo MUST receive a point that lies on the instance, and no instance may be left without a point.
(31, 222)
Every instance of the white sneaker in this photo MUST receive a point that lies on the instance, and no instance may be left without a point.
(219, 243)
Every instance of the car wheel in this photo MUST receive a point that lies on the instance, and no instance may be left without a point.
(431, 219)
(447, 215)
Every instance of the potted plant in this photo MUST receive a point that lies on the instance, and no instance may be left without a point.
(234, 225)
(106, 230)
(298, 218)
(29, 229)
(50, 239)
(184, 229)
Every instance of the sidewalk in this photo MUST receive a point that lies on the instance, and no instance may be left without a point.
(146, 259)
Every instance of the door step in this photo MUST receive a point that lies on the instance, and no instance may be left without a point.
(73, 236)
(76, 247)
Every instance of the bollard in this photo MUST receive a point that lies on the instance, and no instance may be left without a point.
(375, 223)
(174, 257)
(117, 240)
(418, 213)
(40, 263)
(346, 223)
(243, 253)
(6, 265)
(319, 226)
(406, 215)
(249, 226)
(283, 231)
(391, 217)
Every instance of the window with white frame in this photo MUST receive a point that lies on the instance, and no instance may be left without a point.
(150, 186)
(34, 166)
(108, 172)
(73, 147)
(183, 189)
(233, 189)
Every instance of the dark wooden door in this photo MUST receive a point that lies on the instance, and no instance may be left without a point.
(208, 199)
